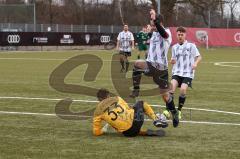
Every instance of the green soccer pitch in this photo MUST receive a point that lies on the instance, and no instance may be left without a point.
(29, 127)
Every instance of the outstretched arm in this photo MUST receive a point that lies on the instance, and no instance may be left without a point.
(197, 55)
(132, 40)
(173, 58)
(118, 41)
(117, 47)
(149, 111)
(159, 27)
(197, 61)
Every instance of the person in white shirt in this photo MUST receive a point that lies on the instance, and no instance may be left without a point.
(125, 44)
(185, 59)
(156, 64)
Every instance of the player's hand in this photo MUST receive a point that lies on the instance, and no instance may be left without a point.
(173, 61)
(194, 66)
(153, 14)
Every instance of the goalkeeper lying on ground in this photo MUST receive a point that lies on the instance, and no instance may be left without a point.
(126, 120)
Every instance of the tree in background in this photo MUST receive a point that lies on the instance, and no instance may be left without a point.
(232, 4)
(190, 13)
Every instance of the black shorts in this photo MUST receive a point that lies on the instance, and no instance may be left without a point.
(137, 121)
(182, 80)
(125, 53)
(160, 77)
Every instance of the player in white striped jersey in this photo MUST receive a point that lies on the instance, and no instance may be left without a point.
(185, 59)
(156, 64)
(125, 44)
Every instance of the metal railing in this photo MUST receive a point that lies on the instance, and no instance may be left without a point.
(5, 27)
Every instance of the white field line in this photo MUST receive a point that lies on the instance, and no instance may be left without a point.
(93, 101)
(38, 59)
(204, 122)
(44, 51)
(54, 115)
(57, 59)
(210, 123)
(47, 59)
(206, 110)
(49, 99)
(226, 64)
(223, 64)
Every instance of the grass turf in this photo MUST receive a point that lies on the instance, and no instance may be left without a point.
(26, 74)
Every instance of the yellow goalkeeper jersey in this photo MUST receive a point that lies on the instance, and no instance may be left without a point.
(116, 112)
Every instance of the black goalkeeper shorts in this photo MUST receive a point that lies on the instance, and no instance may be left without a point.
(137, 121)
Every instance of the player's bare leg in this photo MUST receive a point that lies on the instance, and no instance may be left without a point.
(122, 62)
(126, 62)
(174, 87)
(182, 96)
(140, 53)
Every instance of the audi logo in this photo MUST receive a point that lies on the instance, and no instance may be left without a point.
(105, 39)
(13, 39)
(237, 37)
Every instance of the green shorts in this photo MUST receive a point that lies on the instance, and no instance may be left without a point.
(142, 47)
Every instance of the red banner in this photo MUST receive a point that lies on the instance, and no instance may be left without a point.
(216, 37)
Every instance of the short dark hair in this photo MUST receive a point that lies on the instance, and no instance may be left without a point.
(181, 29)
(102, 94)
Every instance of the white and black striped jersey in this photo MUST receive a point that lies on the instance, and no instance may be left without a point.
(158, 50)
(125, 41)
(184, 55)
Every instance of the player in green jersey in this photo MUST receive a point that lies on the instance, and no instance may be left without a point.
(142, 38)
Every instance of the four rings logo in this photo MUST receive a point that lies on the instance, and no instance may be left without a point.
(13, 39)
(237, 37)
(105, 39)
